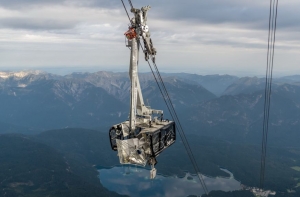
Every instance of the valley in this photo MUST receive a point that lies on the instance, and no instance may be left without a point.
(68, 117)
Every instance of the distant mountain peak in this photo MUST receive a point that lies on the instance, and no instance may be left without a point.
(19, 74)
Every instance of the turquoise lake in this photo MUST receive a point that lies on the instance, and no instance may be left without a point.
(135, 182)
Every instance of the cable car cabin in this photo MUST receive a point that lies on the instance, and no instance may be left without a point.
(144, 144)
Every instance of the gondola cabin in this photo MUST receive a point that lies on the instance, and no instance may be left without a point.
(147, 141)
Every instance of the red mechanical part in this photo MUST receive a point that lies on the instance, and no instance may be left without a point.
(130, 34)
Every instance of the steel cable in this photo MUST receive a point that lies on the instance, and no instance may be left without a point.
(268, 85)
(181, 131)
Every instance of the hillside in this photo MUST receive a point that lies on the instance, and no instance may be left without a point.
(68, 156)
(92, 147)
(32, 169)
(118, 85)
(245, 85)
(51, 104)
(81, 144)
(239, 118)
(249, 85)
(216, 84)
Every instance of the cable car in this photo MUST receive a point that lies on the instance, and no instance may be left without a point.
(144, 136)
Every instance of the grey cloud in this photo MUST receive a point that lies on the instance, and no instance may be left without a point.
(236, 44)
(17, 4)
(249, 13)
(105, 3)
(254, 13)
(219, 12)
(213, 11)
(35, 24)
(246, 14)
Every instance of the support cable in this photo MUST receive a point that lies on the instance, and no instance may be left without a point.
(268, 85)
(126, 10)
(180, 129)
(130, 3)
(174, 116)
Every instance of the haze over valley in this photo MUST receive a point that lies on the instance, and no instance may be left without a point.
(68, 117)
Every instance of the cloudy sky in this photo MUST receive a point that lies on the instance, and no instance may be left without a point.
(195, 36)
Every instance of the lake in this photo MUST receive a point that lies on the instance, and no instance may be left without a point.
(135, 182)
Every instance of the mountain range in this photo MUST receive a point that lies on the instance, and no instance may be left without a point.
(221, 114)
(216, 105)
(41, 101)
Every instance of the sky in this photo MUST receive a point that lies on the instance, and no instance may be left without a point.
(193, 36)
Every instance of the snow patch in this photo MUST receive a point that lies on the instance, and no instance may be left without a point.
(22, 85)
(21, 74)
